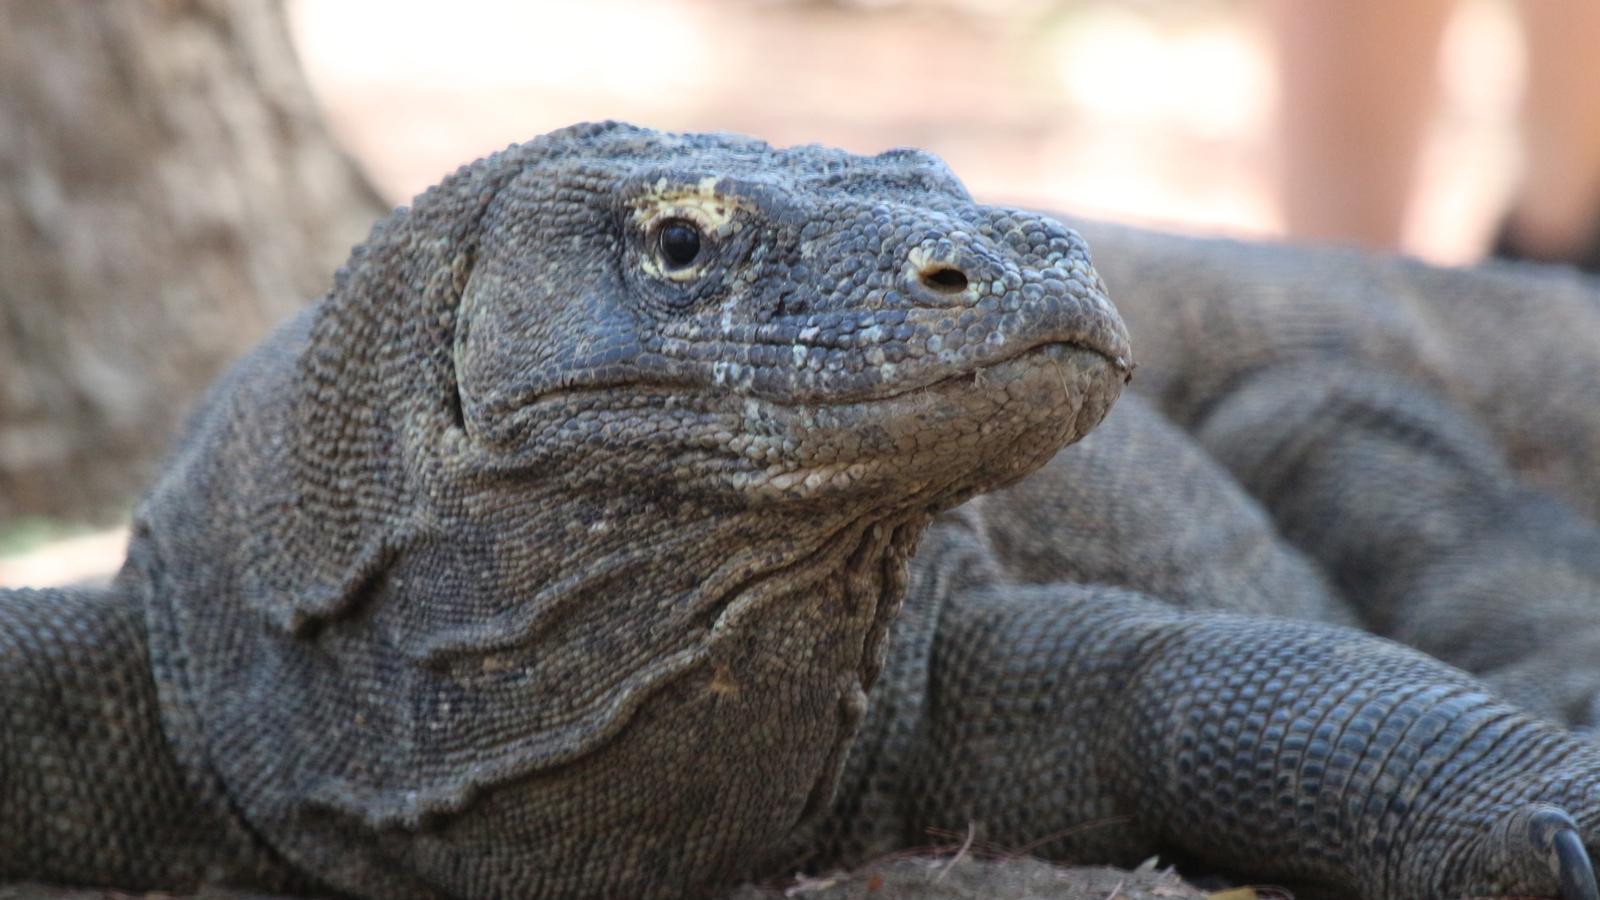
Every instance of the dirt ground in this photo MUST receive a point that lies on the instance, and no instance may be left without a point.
(1013, 879)
(907, 878)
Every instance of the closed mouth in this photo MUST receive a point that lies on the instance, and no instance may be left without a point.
(1118, 362)
(787, 388)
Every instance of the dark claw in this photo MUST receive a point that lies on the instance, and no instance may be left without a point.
(1575, 870)
(1553, 832)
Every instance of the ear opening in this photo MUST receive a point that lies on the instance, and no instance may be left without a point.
(453, 405)
(461, 268)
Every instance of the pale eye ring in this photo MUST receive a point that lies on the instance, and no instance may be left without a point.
(679, 243)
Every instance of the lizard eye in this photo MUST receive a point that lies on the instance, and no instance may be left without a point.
(679, 243)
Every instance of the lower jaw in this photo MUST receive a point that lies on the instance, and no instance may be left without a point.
(965, 434)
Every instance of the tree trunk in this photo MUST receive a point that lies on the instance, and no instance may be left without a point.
(167, 193)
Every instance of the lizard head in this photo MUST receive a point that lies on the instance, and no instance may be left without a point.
(580, 508)
(774, 325)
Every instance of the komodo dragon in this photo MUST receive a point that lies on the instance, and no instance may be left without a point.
(555, 553)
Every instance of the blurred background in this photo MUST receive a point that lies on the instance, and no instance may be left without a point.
(180, 174)
(1140, 110)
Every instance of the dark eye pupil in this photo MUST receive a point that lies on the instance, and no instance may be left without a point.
(680, 244)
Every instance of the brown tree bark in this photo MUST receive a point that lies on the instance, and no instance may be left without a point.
(167, 193)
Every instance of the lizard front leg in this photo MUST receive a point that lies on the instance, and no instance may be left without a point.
(91, 790)
(1095, 724)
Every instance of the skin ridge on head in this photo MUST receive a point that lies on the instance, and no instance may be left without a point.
(599, 418)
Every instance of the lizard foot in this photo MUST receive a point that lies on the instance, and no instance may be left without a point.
(1537, 850)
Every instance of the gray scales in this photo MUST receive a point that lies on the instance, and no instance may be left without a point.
(641, 513)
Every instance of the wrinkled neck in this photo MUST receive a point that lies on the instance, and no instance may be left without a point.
(637, 577)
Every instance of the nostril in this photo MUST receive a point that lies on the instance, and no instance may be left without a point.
(945, 279)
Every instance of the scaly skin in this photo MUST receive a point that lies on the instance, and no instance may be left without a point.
(1407, 504)
(90, 790)
(1429, 437)
(1093, 723)
(1510, 345)
(544, 558)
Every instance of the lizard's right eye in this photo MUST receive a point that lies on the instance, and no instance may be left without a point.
(679, 242)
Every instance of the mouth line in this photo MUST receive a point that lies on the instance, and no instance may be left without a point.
(975, 373)
(808, 398)
(1125, 367)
